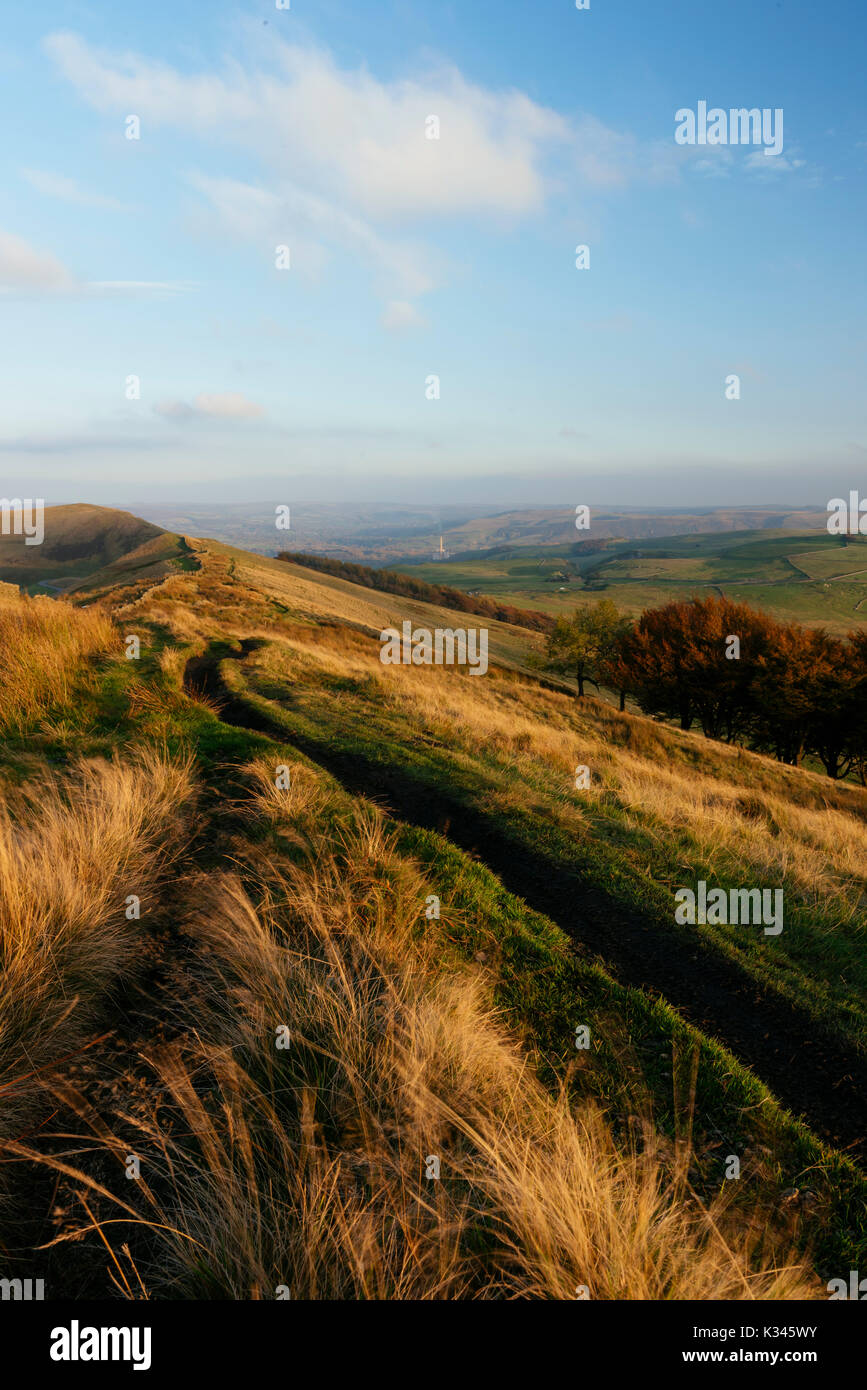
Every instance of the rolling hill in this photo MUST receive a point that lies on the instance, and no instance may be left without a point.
(388, 533)
(376, 915)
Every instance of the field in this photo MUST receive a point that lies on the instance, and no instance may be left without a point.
(798, 576)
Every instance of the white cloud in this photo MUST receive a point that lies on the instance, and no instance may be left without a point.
(347, 164)
(303, 220)
(362, 139)
(343, 163)
(400, 315)
(771, 167)
(59, 186)
(227, 405)
(22, 267)
(26, 271)
(608, 158)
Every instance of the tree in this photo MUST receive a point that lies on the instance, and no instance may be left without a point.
(697, 660)
(837, 724)
(655, 653)
(858, 703)
(614, 668)
(798, 664)
(581, 645)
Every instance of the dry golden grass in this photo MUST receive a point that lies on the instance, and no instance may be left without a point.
(734, 806)
(73, 853)
(306, 1166)
(44, 644)
(720, 797)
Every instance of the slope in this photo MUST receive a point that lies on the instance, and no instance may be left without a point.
(247, 664)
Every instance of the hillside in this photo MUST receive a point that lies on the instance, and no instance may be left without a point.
(390, 871)
(88, 546)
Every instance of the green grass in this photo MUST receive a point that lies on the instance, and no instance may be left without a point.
(642, 1051)
(641, 1054)
(819, 961)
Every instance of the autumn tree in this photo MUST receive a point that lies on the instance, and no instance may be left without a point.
(654, 653)
(696, 660)
(795, 675)
(614, 668)
(858, 703)
(837, 700)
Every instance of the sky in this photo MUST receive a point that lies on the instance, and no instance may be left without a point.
(159, 345)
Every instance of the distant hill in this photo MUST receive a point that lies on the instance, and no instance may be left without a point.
(87, 547)
(556, 525)
(388, 535)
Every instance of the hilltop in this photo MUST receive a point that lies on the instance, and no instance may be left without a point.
(391, 870)
(84, 545)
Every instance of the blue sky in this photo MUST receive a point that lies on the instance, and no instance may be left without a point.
(260, 127)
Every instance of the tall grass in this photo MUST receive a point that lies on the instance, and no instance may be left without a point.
(43, 644)
(74, 852)
(307, 1166)
(735, 809)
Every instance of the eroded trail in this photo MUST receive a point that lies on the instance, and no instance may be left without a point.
(809, 1070)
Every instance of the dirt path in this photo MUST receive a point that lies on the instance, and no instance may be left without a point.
(810, 1071)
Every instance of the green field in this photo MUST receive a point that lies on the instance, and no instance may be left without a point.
(799, 576)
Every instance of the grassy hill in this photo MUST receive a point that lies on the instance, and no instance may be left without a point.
(375, 917)
(92, 547)
(803, 576)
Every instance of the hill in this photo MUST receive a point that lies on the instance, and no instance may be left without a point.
(85, 545)
(373, 914)
(556, 525)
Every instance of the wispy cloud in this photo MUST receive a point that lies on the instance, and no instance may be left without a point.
(137, 287)
(346, 159)
(24, 267)
(82, 441)
(363, 139)
(28, 271)
(400, 317)
(227, 405)
(66, 189)
(313, 229)
(765, 168)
